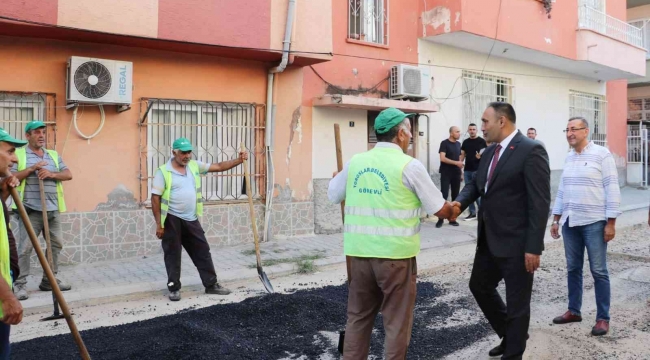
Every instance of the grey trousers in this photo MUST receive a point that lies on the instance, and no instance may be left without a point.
(25, 248)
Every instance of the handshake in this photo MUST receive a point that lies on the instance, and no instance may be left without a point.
(451, 211)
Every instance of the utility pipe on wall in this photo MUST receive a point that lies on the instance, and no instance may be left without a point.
(270, 118)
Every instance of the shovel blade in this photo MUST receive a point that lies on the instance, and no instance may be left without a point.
(265, 280)
(53, 317)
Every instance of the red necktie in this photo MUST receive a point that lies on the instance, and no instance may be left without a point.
(495, 160)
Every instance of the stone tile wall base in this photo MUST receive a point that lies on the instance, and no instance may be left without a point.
(113, 235)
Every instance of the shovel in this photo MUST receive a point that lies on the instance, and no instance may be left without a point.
(339, 165)
(249, 195)
(46, 229)
(50, 275)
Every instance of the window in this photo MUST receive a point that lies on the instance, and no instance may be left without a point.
(594, 109)
(638, 109)
(216, 130)
(481, 89)
(368, 21)
(17, 109)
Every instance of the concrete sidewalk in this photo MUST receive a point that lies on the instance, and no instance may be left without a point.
(109, 281)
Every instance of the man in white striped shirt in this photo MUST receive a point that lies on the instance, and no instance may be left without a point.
(586, 207)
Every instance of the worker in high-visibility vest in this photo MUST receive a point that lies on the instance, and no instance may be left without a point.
(384, 191)
(177, 203)
(36, 162)
(11, 312)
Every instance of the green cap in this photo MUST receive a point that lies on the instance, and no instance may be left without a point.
(388, 118)
(4, 136)
(35, 124)
(182, 144)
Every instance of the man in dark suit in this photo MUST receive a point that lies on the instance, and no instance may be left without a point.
(513, 182)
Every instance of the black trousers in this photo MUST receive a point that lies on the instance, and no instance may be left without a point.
(447, 179)
(512, 321)
(180, 234)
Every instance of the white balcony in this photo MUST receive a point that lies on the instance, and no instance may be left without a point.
(590, 18)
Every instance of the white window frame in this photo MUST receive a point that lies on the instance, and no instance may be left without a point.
(216, 187)
(593, 108)
(481, 89)
(368, 21)
(16, 127)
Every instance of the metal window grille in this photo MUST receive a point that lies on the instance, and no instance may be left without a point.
(638, 151)
(216, 130)
(638, 109)
(18, 108)
(481, 89)
(368, 21)
(594, 109)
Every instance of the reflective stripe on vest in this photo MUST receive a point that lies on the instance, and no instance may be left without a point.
(382, 213)
(382, 216)
(193, 166)
(21, 154)
(5, 258)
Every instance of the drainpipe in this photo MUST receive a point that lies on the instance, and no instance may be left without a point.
(270, 117)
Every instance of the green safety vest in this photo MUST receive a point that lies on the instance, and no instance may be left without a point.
(21, 154)
(164, 202)
(382, 216)
(5, 258)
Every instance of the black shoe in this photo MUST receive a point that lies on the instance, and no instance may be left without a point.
(501, 348)
(470, 217)
(454, 223)
(175, 295)
(439, 223)
(217, 289)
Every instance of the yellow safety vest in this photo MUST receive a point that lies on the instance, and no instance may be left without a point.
(382, 216)
(164, 202)
(21, 154)
(5, 257)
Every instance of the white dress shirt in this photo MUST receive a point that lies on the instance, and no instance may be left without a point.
(504, 144)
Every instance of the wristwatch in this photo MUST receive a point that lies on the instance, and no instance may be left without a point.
(556, 222)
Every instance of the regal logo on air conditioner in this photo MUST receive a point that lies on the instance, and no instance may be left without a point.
(99, 81)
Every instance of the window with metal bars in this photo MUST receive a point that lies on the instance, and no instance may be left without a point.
(19, 108)
(216, 130)
(481, 89)
(593, 108)
(368, 21)
(638, 109)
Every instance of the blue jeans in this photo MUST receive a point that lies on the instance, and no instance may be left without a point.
(576, 239)
(468, 177)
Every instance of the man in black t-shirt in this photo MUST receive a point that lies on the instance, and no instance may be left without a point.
(451, 163)
(471, 151)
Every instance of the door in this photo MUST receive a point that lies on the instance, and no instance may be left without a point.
(372, 137)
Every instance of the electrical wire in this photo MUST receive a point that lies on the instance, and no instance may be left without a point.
(349, 90)
(102, 118)
(280, 51)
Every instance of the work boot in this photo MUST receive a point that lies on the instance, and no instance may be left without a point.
(175, 295)
(21, 292)
(439, 223)
(46, 286)
(568, 317)
(501, 348)
(217, 289)
(601, 328)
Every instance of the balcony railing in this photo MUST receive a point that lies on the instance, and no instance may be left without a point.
(592, 19)
(645, 33)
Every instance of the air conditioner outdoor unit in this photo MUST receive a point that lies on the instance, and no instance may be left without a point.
(409, 82)
(99, 81)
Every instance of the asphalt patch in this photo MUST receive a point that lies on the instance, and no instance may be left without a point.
(273, 326)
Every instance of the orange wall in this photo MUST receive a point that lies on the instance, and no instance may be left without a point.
(617, 119)
(112, 158)
(347, 70)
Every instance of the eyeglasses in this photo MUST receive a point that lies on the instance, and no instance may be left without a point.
(573, 130)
